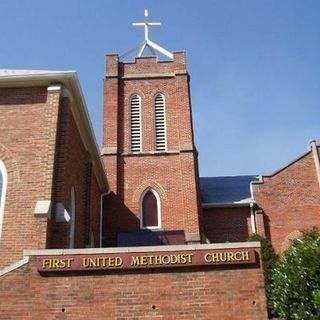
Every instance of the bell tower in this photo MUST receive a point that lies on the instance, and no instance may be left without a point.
(148, 149)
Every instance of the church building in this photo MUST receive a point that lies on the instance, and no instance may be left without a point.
(130, 230)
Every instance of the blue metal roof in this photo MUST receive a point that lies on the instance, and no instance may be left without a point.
(235, 189)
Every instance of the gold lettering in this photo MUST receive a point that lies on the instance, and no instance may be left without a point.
(104, 261)
(69, 262)
(85, 262)
(112, 262)
(144, 260)
(190, 256)
(237, 256)
(45, 263)
(158, 260)
(174, 259)
(118, 261)
(215, 257)
(62, 264)
(92, 262)
(55, 263)
(207, 257)
(166, 259)
(135, 261)
(183, 258)
(245, 255)
(230, 256)
(223, 256)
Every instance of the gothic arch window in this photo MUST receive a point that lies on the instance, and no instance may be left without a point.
(135, 123)
(3, 188)
(150, 210)
(160, 123)
(72, 212)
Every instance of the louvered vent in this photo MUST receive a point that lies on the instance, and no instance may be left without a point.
(135, 123)
(160, 123)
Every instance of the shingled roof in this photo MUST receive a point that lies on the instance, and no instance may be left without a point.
(226, 190)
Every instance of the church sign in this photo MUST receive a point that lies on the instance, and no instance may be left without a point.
(145, 260)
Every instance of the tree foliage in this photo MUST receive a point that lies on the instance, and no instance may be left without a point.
(295, 280)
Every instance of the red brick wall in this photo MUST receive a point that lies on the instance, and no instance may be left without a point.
(73, 169)
(34, 157)
(227, 224)
(290, 200)
(199, 293)
(173, 175)
(26, 123)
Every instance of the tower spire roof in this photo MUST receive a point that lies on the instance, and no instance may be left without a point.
(147, 43)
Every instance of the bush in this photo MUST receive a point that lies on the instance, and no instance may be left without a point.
(295, 280)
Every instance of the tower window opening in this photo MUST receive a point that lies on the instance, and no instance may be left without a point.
(135, 123)
(160, 123)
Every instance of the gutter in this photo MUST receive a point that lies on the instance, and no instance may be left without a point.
(252, 211)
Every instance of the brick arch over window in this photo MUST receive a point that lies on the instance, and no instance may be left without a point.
(152, 185)
(150, 210)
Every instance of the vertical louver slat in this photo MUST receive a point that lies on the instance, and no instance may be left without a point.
(160, 123)
(135, 123)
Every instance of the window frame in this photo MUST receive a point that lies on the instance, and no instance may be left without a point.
(4, 175)
(158, 210)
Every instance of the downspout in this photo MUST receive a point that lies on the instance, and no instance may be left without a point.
(253, 218)
(101, 215)
(252, 211)
(314, 149)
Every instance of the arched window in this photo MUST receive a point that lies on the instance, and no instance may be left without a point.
(135, 123)
(150, 210)
(160, 123)
(72, 212)
(3, 188)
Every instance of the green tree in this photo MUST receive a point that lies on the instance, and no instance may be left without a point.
(295, 280)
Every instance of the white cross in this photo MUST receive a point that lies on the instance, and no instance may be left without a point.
(146, 25)
(147, 42)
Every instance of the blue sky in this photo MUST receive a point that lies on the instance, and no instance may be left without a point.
(254, 66)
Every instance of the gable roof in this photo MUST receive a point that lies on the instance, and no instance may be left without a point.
(21, 72)
(230, 190)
